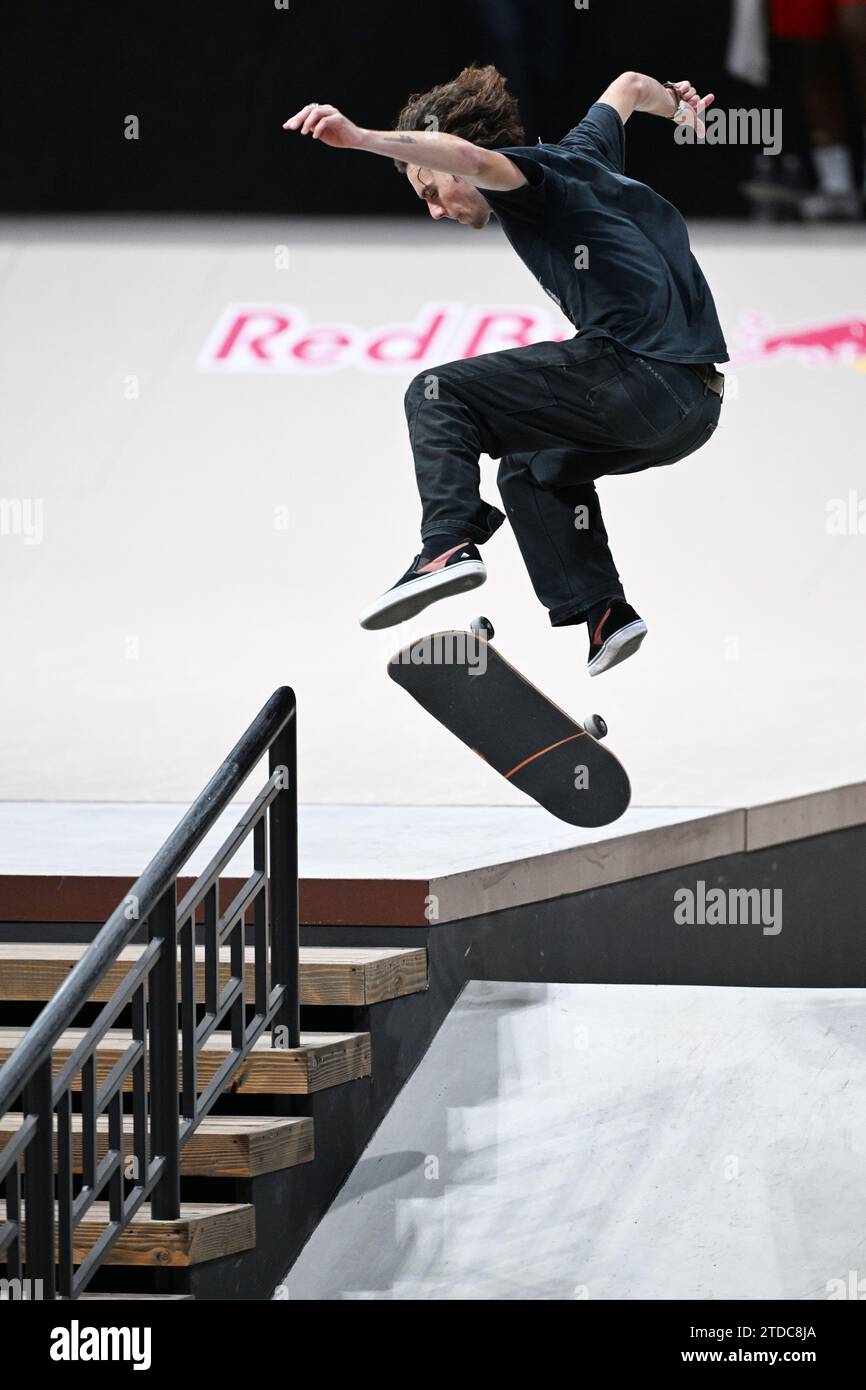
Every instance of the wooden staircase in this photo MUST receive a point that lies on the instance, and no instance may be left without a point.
(227, 1145)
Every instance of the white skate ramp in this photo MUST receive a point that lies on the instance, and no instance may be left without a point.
(613, 1142)
(180, 532)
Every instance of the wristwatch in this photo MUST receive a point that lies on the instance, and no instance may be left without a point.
(680, 114)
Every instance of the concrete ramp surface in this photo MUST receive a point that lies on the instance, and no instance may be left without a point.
(613, 1142)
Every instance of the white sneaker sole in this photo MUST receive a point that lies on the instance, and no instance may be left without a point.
(397, 605)
(620, 645)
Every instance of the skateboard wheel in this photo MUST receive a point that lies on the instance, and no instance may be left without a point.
(482, 627)
(595, 725)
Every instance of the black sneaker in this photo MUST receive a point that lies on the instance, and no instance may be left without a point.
(614, 636)
(425, 581)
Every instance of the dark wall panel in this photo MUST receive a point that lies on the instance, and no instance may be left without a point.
(211, 83)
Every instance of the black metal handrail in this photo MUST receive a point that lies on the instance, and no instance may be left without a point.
(167, 1107)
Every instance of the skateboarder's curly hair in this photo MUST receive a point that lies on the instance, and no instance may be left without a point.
(476, 105)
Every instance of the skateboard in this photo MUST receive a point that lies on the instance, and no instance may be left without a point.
(465, 683)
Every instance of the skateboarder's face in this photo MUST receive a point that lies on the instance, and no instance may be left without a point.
(448, 196)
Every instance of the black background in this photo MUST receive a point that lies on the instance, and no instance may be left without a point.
(211, 84)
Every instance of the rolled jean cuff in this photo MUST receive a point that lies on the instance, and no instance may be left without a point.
(473, 532)
(576, 610)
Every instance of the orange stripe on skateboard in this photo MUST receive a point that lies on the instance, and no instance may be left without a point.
(541, 752)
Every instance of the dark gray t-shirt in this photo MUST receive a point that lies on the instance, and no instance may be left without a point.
(641, 285)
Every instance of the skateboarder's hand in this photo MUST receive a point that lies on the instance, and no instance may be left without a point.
(327, 124)
(694, 107)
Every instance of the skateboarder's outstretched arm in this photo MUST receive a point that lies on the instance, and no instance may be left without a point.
(445, 154)
(634, 91)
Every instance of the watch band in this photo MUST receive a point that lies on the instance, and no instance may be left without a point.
(678, 115)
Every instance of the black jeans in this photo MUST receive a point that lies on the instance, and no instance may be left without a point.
(557, 415)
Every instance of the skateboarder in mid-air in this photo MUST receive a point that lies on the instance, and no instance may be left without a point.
(635, 388)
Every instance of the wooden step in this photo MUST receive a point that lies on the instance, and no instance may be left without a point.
(223, 1146)
(360, 974)
(203, 1231)
(328, 975)
(322, 1060)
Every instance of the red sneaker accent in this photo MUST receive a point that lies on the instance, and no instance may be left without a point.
(441, 560)
(596, 636)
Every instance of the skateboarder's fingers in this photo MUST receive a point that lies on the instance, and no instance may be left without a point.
(317, 114)
(688, 93)
(294, 121)
(325, 124)
(301, 119)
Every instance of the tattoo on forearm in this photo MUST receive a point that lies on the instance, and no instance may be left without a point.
(399, 139)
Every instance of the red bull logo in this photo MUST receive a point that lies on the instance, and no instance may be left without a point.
(827, 344)
(280, 338)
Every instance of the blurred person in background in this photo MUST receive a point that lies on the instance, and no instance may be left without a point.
(636, 388)
(826, 33)
(776, 183)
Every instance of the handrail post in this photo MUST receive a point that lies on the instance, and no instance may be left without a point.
(39, 1181)
(283, 823)
(163, 1040)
